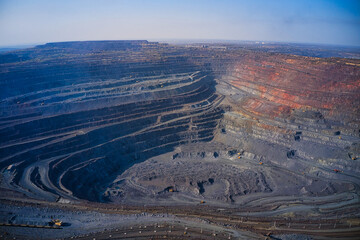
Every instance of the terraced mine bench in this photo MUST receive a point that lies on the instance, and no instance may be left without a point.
(123, 122)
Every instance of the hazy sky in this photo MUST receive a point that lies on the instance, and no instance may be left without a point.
(311, 21)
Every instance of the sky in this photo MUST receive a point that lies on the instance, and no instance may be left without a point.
(302, 21)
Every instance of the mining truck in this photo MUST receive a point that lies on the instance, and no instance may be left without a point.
(56, 223)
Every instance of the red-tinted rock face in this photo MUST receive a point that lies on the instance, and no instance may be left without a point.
(280, 83)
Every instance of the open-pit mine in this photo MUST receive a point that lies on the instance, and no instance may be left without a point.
(147, 140)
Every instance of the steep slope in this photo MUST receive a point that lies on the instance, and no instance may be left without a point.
(75, 115)
(138, 122)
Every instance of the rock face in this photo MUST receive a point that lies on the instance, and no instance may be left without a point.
(135, 122)
(288, 84)
(84, 112)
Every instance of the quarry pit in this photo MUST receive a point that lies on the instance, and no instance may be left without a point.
(241, 143)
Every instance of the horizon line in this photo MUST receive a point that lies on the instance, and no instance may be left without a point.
(183, 40)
